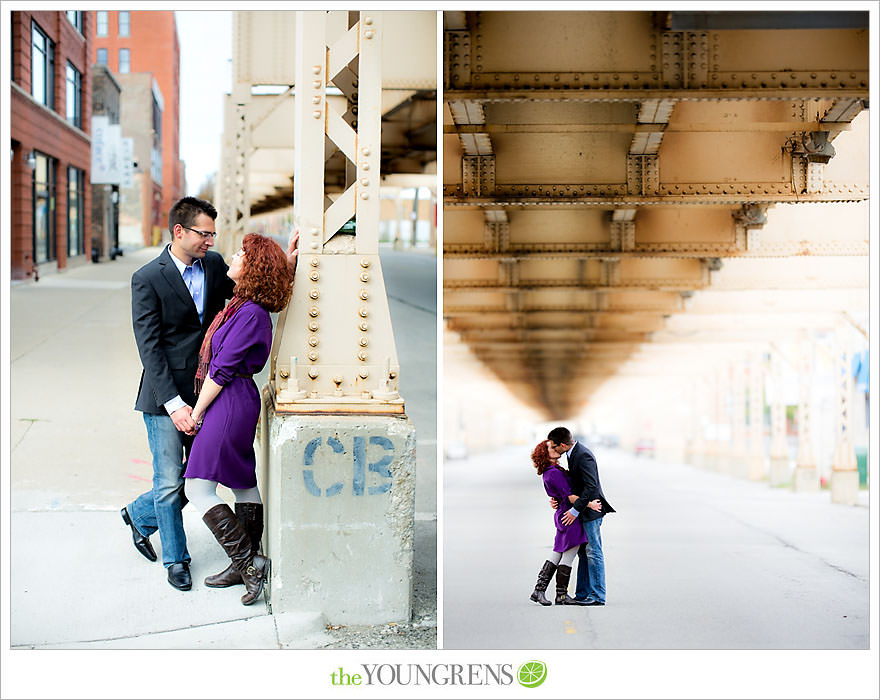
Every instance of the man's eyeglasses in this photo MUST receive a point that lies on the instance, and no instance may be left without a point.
(203, 234)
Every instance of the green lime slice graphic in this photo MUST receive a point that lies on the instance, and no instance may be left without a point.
(531, 674)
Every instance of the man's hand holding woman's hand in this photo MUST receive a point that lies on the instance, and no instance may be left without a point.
(183, 420)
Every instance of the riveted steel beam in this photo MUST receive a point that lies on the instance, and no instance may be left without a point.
(334, 348)
(616, 195)
(848, 88)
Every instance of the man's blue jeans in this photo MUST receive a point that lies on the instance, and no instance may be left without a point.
(160, 507)
(591, 564)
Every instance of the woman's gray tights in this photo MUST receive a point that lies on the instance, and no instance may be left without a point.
(566, 557)
(203, 494)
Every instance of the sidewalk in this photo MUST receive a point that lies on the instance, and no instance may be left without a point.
(78, 454)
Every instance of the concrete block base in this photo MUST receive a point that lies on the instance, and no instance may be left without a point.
(780, 471)
(340, 497)
(806, 479)
(845, 487)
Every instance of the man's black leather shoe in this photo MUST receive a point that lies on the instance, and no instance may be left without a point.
(179, 577)
(592, 602)
(577, 601)
(141, 543)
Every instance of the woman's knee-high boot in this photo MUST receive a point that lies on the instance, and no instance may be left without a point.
(253, 568)
(563, 575)
(250, 515)
(544, 576)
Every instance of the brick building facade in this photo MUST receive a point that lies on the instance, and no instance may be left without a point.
(146, 42)
(50, 111)
(106, 97)
(142, 215)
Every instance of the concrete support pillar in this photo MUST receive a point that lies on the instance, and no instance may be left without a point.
(779, 468)
(338, 448)
(806, 476)
(738, 462)
(844, 468)
(340, 519)
(756, 416)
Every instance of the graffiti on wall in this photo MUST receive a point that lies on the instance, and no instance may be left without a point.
(360, 467)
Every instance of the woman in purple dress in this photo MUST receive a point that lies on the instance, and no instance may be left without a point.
(568, 537)
(236, 347)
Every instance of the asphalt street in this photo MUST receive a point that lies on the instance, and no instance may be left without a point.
(694, 560)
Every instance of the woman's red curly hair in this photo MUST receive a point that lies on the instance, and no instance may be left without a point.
(266, 279)
(541, 457)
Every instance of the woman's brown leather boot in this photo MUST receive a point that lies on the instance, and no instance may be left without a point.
(250, 515)
(253, 568)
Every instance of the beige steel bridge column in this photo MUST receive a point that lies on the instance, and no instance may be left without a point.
(233, 198)
(779, 468)
(693, 427)
(756, 416)
(738, 463)
(806, 476)
(339, 447)
(705, 403)
(844, 469)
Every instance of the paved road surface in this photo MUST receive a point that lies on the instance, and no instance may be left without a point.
(694, 560)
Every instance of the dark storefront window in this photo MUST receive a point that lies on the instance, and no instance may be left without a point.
(44, 209)
(42, 67)
(75, 179)
(74, 96)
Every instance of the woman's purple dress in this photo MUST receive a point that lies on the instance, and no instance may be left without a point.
(557, 486)
(223, 449)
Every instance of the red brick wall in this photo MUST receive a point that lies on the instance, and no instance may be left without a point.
(154, 48)
(34, 127)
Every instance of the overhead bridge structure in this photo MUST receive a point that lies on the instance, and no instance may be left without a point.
(647, 193)
(600, 168)
(257, 160)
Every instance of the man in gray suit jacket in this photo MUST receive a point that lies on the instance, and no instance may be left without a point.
(174, 299)
(586, 487)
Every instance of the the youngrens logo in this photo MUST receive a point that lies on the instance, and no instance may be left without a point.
(531, 674)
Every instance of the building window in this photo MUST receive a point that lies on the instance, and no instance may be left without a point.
(44, 209)
(74, 96)
(42, 67)
(76, 19)
(75, 241)
(124, 26)
(102, 57)
(156, 150)
(124, 61)
(102, 24)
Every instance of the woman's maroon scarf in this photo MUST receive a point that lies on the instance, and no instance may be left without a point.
(222, 317)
